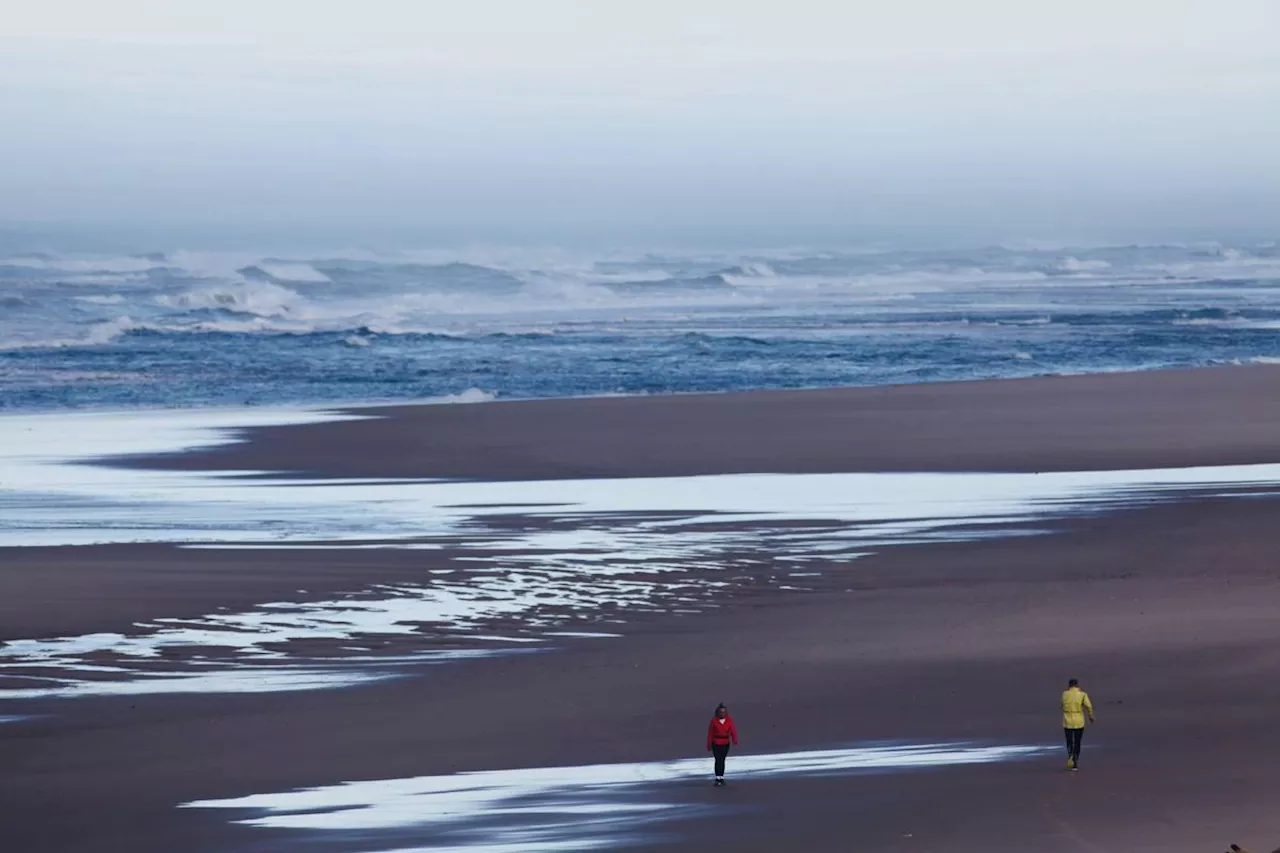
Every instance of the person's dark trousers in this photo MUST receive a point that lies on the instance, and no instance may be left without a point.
(720, 751)
(1074, 736)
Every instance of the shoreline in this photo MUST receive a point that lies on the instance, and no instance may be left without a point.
(477, 395)
(1113, 421)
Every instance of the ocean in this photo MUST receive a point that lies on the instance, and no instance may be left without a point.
(182, 329)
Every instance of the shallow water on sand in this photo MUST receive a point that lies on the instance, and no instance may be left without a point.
(505, 564)
(554, 808)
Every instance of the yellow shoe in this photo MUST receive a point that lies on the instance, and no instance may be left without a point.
(1071, 764)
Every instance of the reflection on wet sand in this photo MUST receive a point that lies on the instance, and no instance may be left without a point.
(511, 563)
(554, 808)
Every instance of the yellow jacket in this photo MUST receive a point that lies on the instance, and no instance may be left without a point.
(1075, 705)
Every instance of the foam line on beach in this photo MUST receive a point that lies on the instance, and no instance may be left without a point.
(557, 808)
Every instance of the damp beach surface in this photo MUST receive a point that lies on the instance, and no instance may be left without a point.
(563, 808)
(369, 621)
(522, 562)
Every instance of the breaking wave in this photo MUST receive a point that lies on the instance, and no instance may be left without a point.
(353, 325)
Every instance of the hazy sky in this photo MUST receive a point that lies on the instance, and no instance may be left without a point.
(634, 121)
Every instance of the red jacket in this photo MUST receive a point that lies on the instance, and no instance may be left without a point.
(720, 732)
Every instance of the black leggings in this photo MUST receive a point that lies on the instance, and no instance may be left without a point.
(720, 751)
(1073, 743)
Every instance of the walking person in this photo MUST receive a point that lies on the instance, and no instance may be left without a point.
(1075, 708)
(720, 734)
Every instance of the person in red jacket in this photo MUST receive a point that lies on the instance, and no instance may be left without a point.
(720, 734)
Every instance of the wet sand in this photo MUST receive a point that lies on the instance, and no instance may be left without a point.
(1214, 416)
(1166, 614)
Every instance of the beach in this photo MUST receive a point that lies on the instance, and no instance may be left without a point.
(1160, 600)
(1158, 419)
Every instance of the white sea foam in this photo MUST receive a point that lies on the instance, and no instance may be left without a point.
(557, 808)
(251, 297)
(293, 271)
(471, 395)
(101, 299)
(82, 264)
(98, 334)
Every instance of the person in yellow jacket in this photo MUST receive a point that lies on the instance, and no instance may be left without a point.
(1075, 708)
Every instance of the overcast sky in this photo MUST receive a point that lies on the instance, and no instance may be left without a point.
(626, 122)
